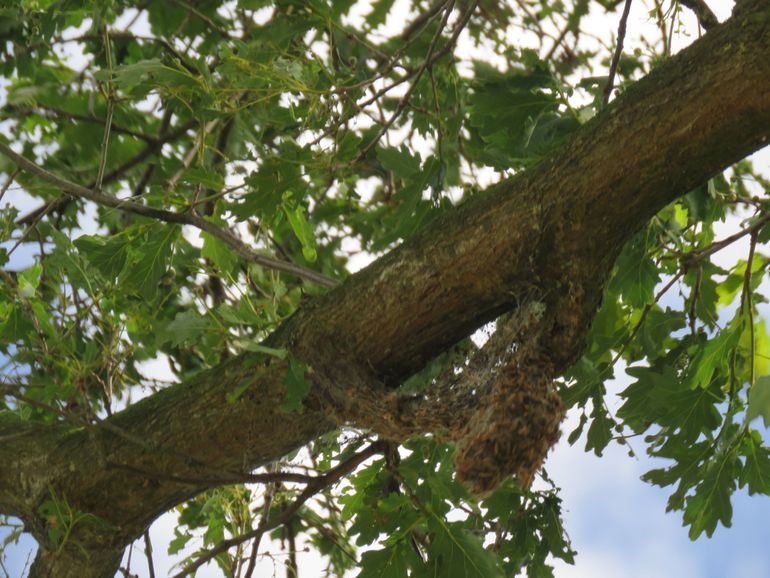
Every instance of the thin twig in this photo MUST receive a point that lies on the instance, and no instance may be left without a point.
(700, 254)
(9, 182)
(431, 57)
(706, 18)
(618, 51)
(747, 306)
(110, 111)
(234, 243)
(269, 495)
(229, 478)
(148, 553)
(140, 157)
(53, 112)
(330, 477)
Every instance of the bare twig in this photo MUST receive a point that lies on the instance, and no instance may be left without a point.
(145, 153)
(706, 17)
(269, 495)
(9, 182)
(700, 254)
(223, 478)
(747, 307)
(110, 111)
(148, 553)
(234, 243)
(330, 477)
(54, 112)
(618, 51)
(430, 58)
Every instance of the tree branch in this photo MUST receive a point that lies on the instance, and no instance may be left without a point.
(332, 476)
(557, 230)
(238, 247)
(706, 18)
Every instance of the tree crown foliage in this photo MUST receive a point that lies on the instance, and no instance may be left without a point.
(197, 171)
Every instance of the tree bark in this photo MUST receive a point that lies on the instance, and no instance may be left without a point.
(548, 236)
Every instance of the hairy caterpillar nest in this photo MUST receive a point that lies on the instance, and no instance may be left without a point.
(511, 434)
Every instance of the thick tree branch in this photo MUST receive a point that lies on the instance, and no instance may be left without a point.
(548, 237)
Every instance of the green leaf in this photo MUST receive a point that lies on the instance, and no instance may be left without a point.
(386, 563)
(401, 161)
(15, 325)
(756, 470)
(243, 312)
(220, 254)
(108, 256)
(259, 348)
(657, 328)
(759, 401)
(297, 386)
(587, 381)
(179, 542)
(150, 72)
(715, 355)
(301, 228)
(711, 502)
(515, 116)
(29, 279)
(455, 553)
(152, 257)
(600, 431)
(659, 396)
(187, 326)
(341, 7)
(267, 186)
(67, 260)
(636, 274)
(379, 13)
(201, 176)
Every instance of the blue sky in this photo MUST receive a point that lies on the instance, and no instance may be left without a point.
(619, 526)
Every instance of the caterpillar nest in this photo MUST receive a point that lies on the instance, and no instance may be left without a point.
(511, 434)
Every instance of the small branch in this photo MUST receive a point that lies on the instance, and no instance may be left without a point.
(231, 478)
(213, 25)
(108, 120)
(330, 477)
(747, 306)
(706, 17)
(269, 496)
(700, 254)
(618, 52)
(431, 57)
(236, 245)
(9, 182)
(148, 553)
(405, 99)
(422, 19)
(143, 155)
(53, 113)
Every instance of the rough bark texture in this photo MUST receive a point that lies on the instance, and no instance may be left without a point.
(548, 236)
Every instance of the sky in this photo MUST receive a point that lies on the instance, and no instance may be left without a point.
(617, 523)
